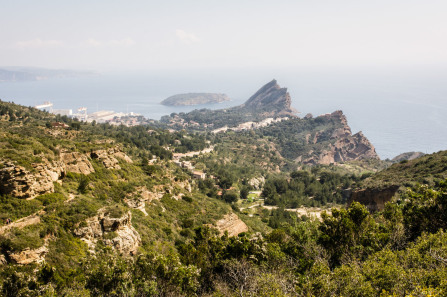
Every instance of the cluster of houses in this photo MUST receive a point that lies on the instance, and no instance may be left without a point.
(188, 165)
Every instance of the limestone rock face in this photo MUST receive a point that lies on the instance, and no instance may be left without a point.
(343, 147)
(19, 182)
(100, 227)
(15, 180)
(373, 199)
(28, 256)
(108, 157)
(232, 224)
(257, 182)
(76, 162)
(272, 100)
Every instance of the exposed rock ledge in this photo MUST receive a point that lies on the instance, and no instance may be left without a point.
(77, 163)
(28, 256)
(345, 146)
(19, 182)
(373, 199)
(232, 224)
(108, 157)
(102, 226)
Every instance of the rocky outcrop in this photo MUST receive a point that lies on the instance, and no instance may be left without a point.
(373, 199)
(125, 239)
(257, 182)
(232, 224)
(19, 182)
(3, 260)
(28, 256)
(108, 157)
(271, 100)
(142, 196)
(76, 162)
(342, 146)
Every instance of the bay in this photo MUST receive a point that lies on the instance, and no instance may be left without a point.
(399, 110)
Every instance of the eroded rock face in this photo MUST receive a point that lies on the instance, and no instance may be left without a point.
(373, 199)
(272, 100)
(257, 182)
(19, 182)
(232, 224)
(344, 146)
(76, 162)
(28, 256)
(108, 157)
(102, 226)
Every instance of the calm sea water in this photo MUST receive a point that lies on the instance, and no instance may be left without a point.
(399, 111)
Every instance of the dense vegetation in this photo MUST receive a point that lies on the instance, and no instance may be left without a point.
(305, 188)
(400, 251)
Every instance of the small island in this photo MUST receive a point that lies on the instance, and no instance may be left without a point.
(194, 99)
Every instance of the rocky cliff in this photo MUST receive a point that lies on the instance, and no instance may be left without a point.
(340, 144)
(373, 199)
(28, 256)
(20, 182)
(115, 232)
(271, 100)
(76, 162)
(232, 224)
(108, 157)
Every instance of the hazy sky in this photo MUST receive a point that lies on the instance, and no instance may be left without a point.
(113, 35)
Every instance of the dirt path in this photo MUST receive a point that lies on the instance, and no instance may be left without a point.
(249, 207)
(313, 212)
(178, 156)
(23, 222)
(70, 197)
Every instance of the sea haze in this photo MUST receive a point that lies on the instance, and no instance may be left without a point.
(398, 110)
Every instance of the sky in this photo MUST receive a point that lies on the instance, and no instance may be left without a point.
(139, 35)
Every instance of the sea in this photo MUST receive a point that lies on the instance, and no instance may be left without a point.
(398, 109)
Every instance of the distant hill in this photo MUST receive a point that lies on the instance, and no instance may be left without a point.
(407, 156)
(31, 74)
(383, 186)
(424, 170)
(194, 99)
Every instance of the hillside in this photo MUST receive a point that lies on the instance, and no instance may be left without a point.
(102, 210)
(428, 169)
